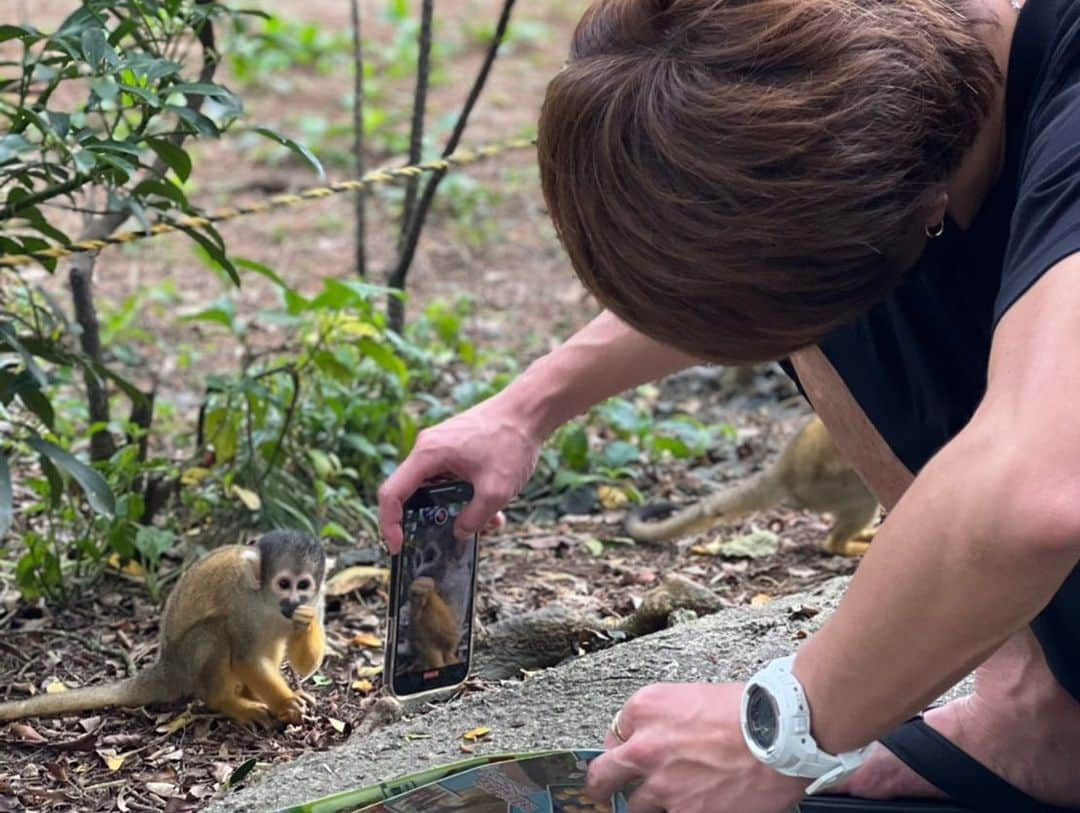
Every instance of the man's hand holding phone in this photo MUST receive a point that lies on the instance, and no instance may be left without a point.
(489, 446)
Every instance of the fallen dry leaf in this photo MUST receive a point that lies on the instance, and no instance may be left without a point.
(337, 725)
(760, 600)
(194, 475)
(357, 577)
(367, 639)
(113, 761)
(612, 497)
(26, 733)
(165, 790)
(248, 497)
(55, 687)
(182, 720)
(363, 686)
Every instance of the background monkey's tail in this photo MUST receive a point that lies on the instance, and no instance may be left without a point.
(146, 687)
(644, 524)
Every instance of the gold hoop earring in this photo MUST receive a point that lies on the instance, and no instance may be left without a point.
(936, 230)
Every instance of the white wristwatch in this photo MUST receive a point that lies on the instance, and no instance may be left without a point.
(776, 724)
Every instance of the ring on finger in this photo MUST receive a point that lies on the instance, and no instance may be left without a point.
(615, 727)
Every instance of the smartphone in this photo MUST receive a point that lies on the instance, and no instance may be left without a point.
(432, 589)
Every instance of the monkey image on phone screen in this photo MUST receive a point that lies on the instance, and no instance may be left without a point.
(435, 599)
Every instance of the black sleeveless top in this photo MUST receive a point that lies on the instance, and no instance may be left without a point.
(917, 363)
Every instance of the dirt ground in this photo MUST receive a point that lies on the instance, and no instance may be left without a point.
(526, 301)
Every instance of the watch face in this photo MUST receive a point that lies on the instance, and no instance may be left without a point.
(761, 717)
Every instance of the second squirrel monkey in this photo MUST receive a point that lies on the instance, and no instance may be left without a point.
(809, 474)
(228, 624)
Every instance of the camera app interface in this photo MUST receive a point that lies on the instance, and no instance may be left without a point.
(435, 601)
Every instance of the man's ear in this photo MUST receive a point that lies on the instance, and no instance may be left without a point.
(935, 206)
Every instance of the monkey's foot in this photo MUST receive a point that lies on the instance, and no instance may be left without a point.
(292, 709)
(244, 712)
(1025, 728)
(852, 548)
(849, 548)
(307, 697)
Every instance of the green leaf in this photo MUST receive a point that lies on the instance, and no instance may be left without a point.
(216, 253)
(196, 121)
(594, 546)
(97, 491)
(623, 416)
(385, 358)
(574, 448)
(293, 146)
(153, 542)
(619, 453)
(7, 502)
(692, 433)
(94, 46)
(105, 88)
(241, 772)
(141, 93)
(163, 189)
(175, 158)
(222, 312)
(261, 270)
(55, 480)
(36, 402)
(13, 32)
(8, 338)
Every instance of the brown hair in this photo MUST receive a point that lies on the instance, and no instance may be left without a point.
(738, 177)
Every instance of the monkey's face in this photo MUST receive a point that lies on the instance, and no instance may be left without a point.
(291, 589)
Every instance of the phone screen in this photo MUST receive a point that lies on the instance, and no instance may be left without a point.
(434, 582)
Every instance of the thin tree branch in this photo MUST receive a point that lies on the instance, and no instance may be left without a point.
(419, 215)
(416, 131)
(358, 137)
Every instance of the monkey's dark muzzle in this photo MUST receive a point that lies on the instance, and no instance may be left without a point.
(289, 607)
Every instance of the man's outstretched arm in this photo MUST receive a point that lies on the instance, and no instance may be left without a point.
(976, 546)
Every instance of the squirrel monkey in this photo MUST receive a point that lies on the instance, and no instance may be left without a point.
(434, 628)
(226, 628)
(809, 474)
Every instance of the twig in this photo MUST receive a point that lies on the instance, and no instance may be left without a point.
(416, 222)
(416, 131)
(89, 643)
(358, 137)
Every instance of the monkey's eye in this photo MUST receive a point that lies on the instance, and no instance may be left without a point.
(303, 584)
(283, 583)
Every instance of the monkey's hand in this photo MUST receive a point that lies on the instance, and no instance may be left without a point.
(306, 645)
(301, 618)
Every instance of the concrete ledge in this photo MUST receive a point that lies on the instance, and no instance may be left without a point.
(565, 707)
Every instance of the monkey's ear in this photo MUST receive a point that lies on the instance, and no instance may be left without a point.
(254, 566)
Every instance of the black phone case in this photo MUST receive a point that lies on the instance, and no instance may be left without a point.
(394, 599)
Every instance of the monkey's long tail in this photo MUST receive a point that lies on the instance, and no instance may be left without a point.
(640, 523)
(148, 686)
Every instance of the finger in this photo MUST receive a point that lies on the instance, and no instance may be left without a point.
(608, 773)
(496, 523)
(413, 472)
(611, 741)
(487, 500)
(643, 800)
